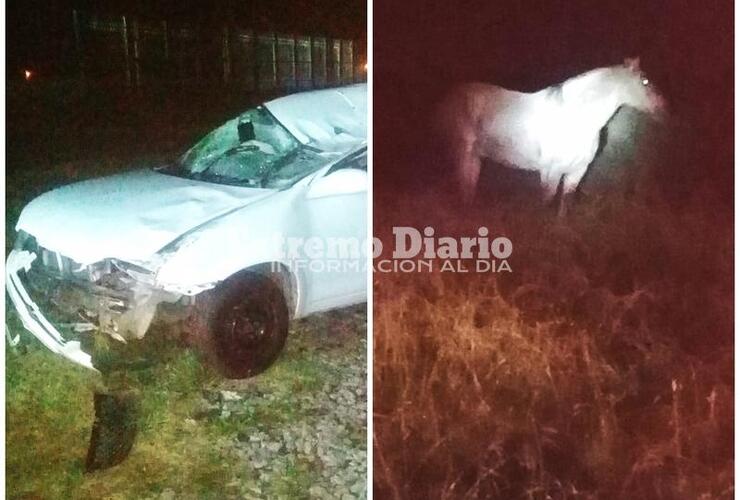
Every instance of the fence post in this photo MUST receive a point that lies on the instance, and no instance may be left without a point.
(329, 55)
(198, 49)
(166, 41)
(127, 58)
(226, 55)
(78, 43)
(332, 54)
(255, 60)
(358, 62)
(166, 74)
(326, 62)
(353, 62)
(338, 61)
(309, 63)
(295, 61)
(137, 65)
(274, 61)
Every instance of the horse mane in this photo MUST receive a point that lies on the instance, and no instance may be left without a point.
(583, 86)
(555, 92)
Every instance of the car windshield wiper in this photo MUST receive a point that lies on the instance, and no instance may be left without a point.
(181, 169)
(233, 181)
(275, 167)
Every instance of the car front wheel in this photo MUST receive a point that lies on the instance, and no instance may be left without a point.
(241, 325)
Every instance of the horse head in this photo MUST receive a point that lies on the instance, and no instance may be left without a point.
(636, 89)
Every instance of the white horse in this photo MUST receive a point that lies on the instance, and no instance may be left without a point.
(554, 131)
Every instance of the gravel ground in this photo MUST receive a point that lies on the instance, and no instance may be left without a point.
(315, 426)
(296, 431)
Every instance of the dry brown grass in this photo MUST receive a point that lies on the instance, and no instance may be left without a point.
(600, 368)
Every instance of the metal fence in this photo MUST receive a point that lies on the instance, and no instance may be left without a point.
(125, 50)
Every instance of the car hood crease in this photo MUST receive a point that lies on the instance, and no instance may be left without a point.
(127, 216)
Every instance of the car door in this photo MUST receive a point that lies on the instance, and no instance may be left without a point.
(336, 215)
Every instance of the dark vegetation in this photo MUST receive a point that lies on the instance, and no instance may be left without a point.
(601, 367)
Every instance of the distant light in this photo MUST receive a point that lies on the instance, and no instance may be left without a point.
(365, 67)
(28, 73)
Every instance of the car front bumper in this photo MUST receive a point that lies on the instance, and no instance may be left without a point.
(19, 262)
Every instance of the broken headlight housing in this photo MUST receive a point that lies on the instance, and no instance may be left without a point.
(58, 265)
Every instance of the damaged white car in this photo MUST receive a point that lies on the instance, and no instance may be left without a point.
(227, 239)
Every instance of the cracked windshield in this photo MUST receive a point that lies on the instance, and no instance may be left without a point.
(254, 150)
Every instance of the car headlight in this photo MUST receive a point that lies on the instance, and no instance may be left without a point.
(139, 273)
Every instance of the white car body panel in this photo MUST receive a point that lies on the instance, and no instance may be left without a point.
(292, 213)
(128, 216)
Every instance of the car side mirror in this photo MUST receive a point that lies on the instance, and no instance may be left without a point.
(344, 181)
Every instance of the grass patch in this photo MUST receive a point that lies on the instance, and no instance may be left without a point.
(49, 417)
(601, 367)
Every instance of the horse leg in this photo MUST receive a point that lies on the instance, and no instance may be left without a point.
(469, 174)
(468, 169)
(550, 184)
(570, 184)
(562, 206)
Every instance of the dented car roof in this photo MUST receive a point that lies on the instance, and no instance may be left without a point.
(332, 120)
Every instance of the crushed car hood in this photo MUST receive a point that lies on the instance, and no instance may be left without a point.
(127, 216)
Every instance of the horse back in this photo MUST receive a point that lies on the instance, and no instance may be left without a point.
(485, 114)
(469, 103)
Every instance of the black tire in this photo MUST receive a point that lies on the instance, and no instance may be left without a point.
(241, 325)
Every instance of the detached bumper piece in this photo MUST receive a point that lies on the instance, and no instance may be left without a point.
(68, 298)
(19, 261)
(114, 429)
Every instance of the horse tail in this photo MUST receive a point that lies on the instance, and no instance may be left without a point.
(455, 131)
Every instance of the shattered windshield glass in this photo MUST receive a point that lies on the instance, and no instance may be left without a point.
(253, 149)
